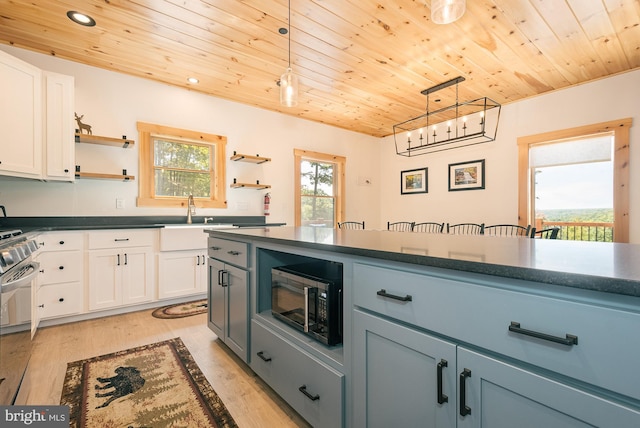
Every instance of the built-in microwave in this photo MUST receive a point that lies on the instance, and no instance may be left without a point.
(308, 297)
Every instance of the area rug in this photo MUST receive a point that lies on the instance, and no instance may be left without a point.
(156, 385)
(181, 310)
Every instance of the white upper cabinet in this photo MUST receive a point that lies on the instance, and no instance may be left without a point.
(36, 117)
(59, 140)
(20, 118)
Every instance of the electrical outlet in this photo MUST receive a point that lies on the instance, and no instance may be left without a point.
(119, 204)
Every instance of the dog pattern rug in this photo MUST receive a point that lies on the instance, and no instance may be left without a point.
(156, 385)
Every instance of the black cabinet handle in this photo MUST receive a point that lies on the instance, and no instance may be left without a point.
(61, 267)
(61, 242)
(225, 278)
(219, 277)
(198, 264)
(441, 397)
(464, 409)
(303, 389)
(61, 299)
(126, 259)
(568, 340)
(262, 357)
(118, 259)
(216, 248)
(121, 239)
(384, 293)
(234, 253)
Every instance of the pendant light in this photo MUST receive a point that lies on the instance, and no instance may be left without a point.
(447, 11)
(288, 81)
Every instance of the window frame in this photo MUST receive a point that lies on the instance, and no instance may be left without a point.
(620, 129)
(340, 194)
(146, 192)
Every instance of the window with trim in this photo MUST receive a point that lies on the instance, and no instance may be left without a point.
(319, 184)
(584, 145)
(175, 163)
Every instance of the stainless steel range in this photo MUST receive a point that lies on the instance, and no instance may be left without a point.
(17, 273)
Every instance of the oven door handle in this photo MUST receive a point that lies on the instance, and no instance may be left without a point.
(10, 285)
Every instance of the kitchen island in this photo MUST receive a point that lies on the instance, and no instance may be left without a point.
(450, 330)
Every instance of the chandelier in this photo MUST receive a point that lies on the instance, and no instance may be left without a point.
(454, 126)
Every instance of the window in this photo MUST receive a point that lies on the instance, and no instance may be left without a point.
(586, 168)
(319, 183)
(176, 163)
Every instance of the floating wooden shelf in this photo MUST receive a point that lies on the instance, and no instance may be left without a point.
(105, 176)
(250, 186)
(248, 158)
(106, 141)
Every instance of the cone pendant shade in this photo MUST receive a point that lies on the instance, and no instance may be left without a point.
(447, 11)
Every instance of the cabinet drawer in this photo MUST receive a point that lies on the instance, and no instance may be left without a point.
(60, 299)
(121, 238)
(481, 315)
(286, 368)
(61, 241)
(60, 266)
(234, 252)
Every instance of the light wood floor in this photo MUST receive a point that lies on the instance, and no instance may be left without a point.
(249, 400)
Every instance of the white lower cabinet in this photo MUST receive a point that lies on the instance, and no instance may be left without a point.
(60, 290)
(402, 377)
(120, 277)
(311, 387)
(181, 273)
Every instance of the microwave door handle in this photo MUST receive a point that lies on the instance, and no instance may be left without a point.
(306, 309)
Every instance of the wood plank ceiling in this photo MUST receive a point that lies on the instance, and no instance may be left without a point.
(361, 63)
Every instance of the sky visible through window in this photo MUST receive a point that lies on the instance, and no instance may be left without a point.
(579, 186)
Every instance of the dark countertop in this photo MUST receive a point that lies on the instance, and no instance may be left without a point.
(28, 224)
(598, 266)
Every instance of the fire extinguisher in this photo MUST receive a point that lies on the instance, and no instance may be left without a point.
(267, 201)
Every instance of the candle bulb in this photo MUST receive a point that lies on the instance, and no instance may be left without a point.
(420, 136)
(449, 130)
(434, 133)
(481, 118)
(464, 125)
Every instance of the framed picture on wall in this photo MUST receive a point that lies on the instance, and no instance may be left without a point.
(414, 181)
(466, 175)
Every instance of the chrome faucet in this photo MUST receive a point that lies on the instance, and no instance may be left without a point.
(208, 219)
(191, 208)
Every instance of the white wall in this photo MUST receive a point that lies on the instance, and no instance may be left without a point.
(112, 103)
(604, 100)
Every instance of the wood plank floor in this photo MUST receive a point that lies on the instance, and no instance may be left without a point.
(249, 400)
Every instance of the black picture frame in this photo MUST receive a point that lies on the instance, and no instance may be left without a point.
(468, 175)
(414, 181)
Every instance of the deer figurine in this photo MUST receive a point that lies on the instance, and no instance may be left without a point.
(81, 125)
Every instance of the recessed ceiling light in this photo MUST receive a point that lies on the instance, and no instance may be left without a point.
(193, 80)
(81, 18)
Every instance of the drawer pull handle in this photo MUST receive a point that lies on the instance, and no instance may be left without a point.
(464, 409)
(61, 267)
(384, 293)
(442, 398)
(121, 239)
(569, 340)
(303, 389)
(234, 253)
(198, 264)
(262, 357)
(216, 248)
(223, 279)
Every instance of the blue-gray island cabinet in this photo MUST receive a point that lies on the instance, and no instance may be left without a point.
(466, 331)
